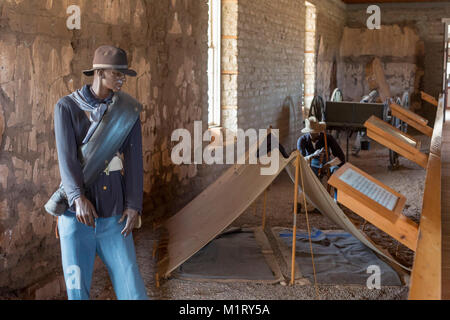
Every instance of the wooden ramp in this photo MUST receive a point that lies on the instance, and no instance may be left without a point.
(396, 140)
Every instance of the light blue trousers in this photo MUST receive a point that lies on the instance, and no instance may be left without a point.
(79, 246)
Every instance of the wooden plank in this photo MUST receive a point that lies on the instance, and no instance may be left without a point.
(445, 207)
(377, 80)
(428, 98)
(429, 278)
(426, 274)
(396, 140)
(393, 222)
(426, 130)
(417, 157)
(436, 140)
(411, 115)
(412, 119)
(385, 129)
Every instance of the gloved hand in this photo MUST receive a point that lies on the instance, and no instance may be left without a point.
(315, 154)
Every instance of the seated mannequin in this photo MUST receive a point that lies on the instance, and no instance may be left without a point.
(312, 147)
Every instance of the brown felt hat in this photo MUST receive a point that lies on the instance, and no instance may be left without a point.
(110, 57)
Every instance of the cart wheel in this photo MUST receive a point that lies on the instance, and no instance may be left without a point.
(337, 95)
(317, 108)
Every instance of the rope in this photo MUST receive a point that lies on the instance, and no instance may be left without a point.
(309, 233)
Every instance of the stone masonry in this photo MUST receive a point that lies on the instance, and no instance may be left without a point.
(41, 61)
(263, 45)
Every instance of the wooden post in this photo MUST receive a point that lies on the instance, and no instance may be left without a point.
(326, 151)
(157, 279)
(294, 231)
(328, 159)
(326, 145)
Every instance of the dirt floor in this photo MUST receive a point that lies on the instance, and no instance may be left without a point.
(407, 180)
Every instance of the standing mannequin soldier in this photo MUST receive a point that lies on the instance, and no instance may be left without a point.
(101, 215)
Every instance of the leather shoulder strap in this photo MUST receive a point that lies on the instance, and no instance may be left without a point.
(109, 136)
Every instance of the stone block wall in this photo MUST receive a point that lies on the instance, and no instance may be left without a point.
(422, 20)
(399, 48)
(270, 50)
(331, 19)
(41, 61)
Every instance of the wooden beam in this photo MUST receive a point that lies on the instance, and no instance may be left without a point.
(396, 140)
(414, 120)
(436, 140)
(427, 278)
(426, 273)
(393, 222)
(428, 98)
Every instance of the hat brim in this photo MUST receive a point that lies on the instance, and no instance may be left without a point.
(128, 72)
(321, 128)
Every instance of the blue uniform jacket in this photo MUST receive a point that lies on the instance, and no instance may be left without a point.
(110, 194)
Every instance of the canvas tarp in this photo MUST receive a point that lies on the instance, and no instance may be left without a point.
(339, 258)
(237, 255)
(211, 212)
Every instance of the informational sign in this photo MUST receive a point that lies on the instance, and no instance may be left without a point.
(369, 189)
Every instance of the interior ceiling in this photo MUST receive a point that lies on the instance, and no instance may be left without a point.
(388, 1)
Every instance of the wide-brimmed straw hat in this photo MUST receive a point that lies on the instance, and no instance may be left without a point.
(110, 57)
(313, 126)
